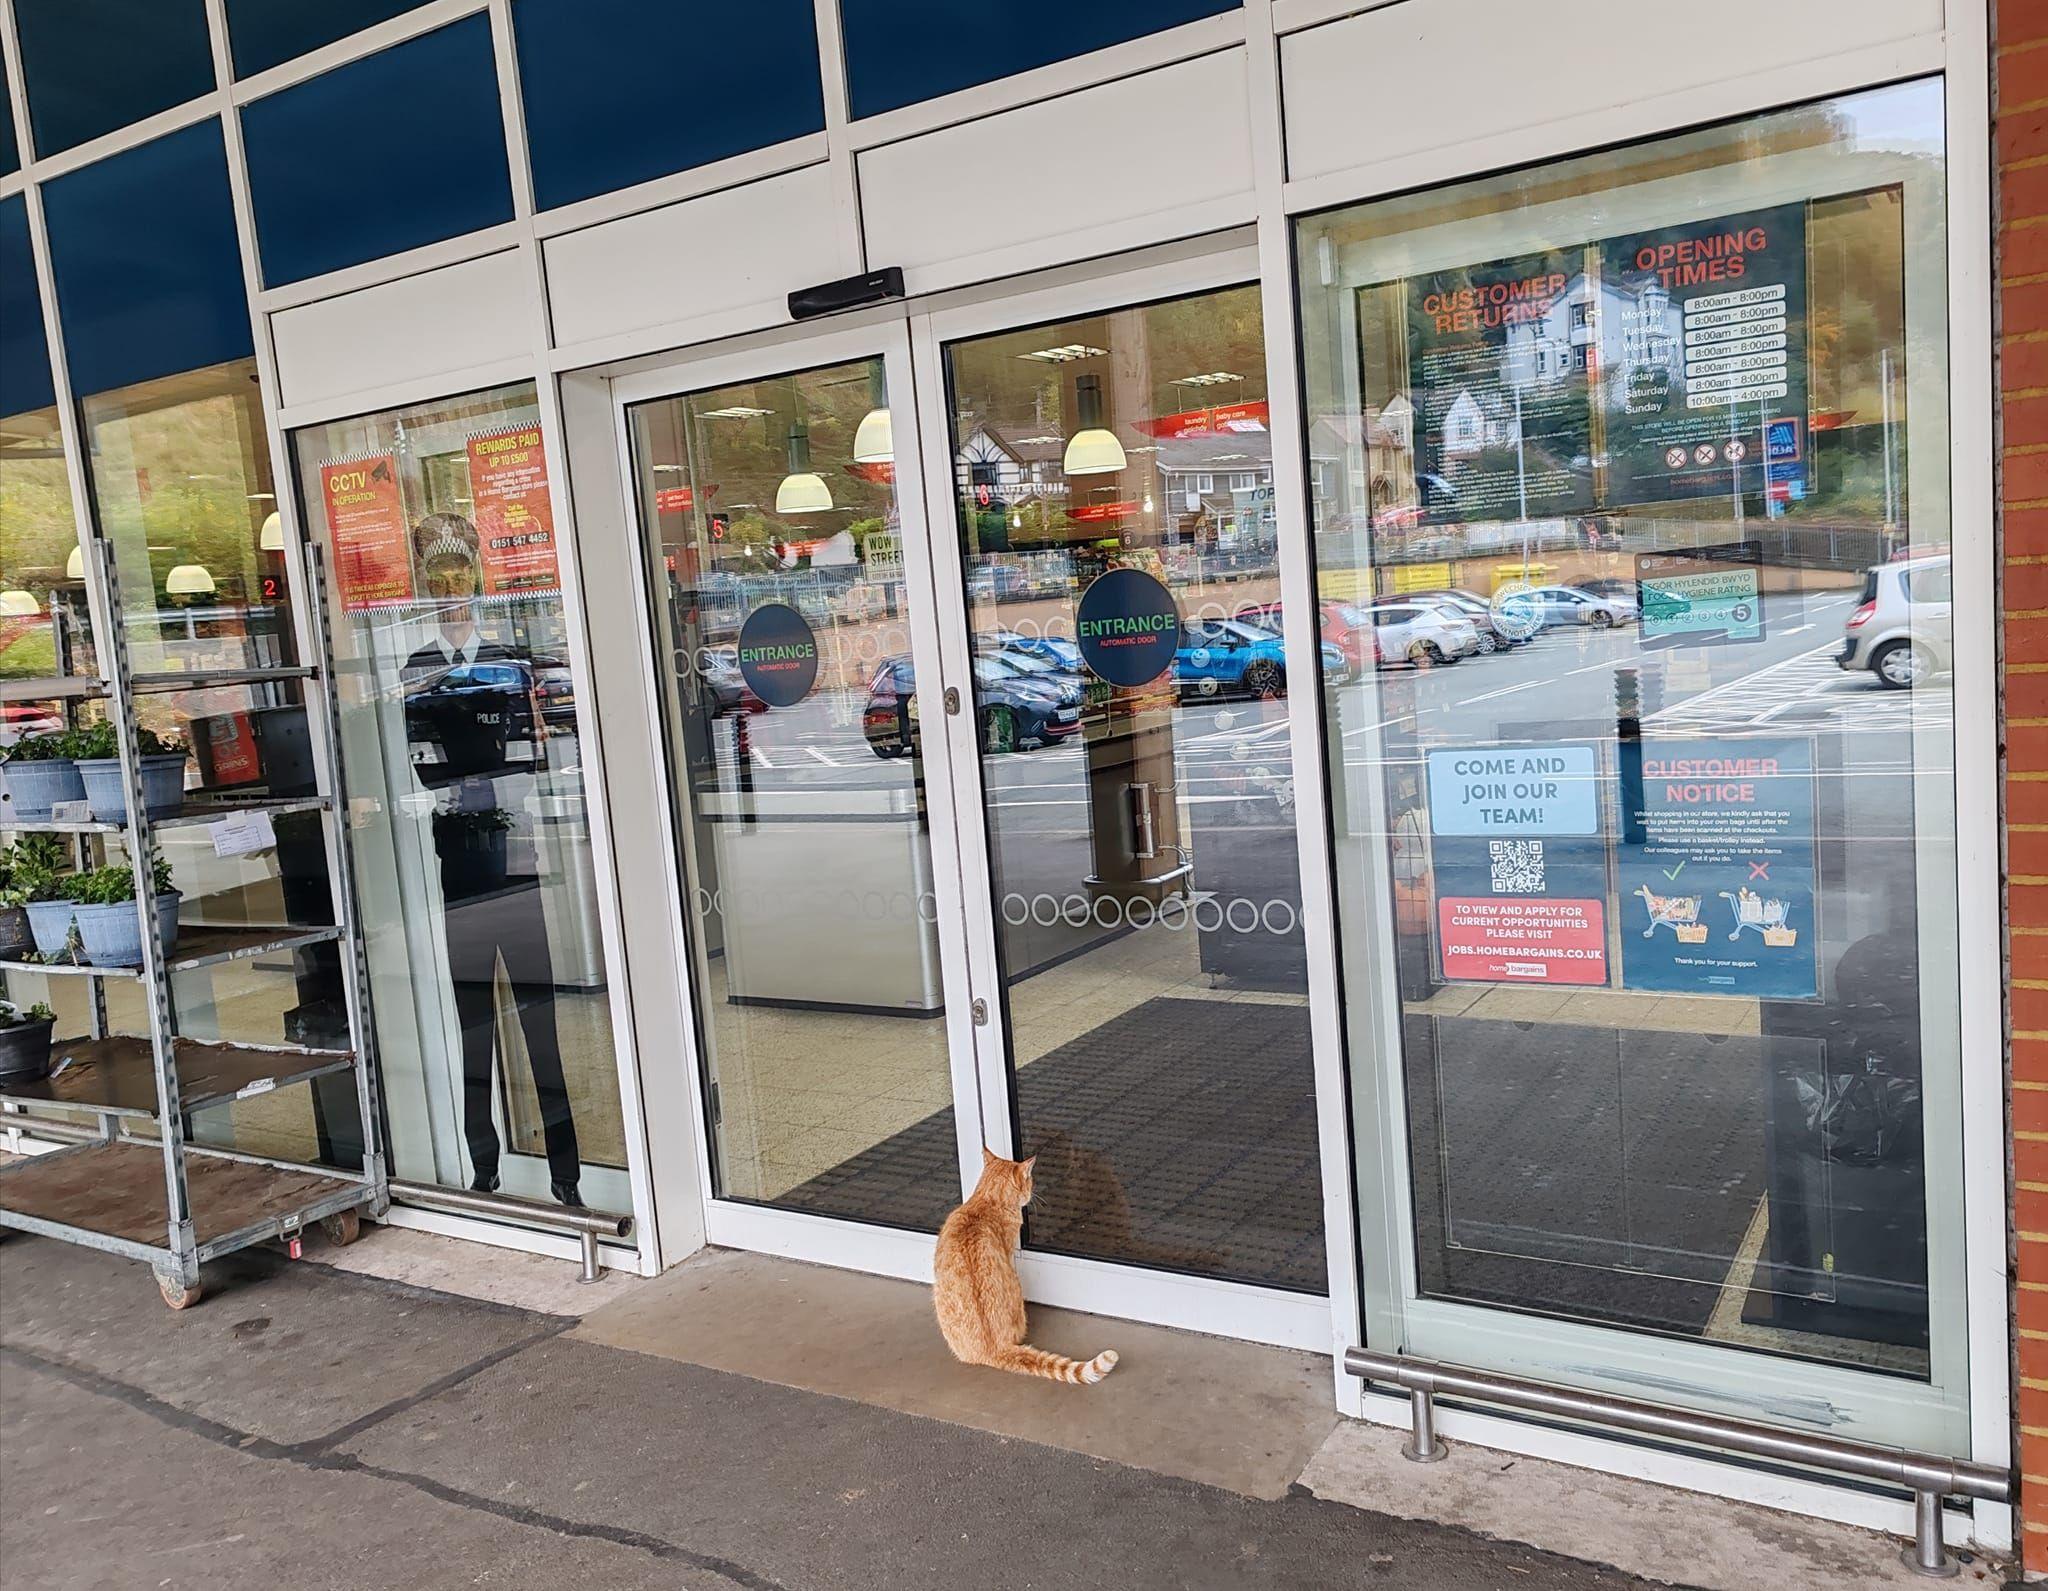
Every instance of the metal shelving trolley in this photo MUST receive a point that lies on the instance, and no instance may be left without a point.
(140, 1117)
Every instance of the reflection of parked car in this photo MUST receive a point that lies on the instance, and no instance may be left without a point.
(1605, 586)
(725, 685)
(1422, 633)
(556, 686)
(1478, 612)
(1036, 660)
(475, 719)
(1900, 627)
(1015, 711)
(18, 719)
(1219, 655)
(1062, 654)
(1570, 605)
(1346, 628)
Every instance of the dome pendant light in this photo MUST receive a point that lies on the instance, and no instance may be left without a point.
(74, 566)
(18, 604)
(189, 580)
(874, 442)
(801, 491)
(1094, 450)
(271, 537)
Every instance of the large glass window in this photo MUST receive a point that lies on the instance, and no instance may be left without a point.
(1114, 481)
(776, 562)
(1637, 467)
(463, 767)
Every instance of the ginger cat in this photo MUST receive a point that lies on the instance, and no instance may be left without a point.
(975, 1291)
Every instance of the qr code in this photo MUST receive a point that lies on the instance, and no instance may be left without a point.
(1517, 866)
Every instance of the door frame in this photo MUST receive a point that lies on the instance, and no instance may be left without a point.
(909, 338)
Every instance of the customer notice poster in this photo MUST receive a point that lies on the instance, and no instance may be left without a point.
(1503, 410)
(1715, 866)
(1518, 864)
(515, 521)
(366, 519)
(1703, 356)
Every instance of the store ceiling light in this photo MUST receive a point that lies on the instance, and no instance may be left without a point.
(189, 580)
(74, 566)
(272, 537)
(1214, 378)
(19, 605)
(736, 411)
(1065, 353)
(801, 491)
(1094, 449)
(874, 442)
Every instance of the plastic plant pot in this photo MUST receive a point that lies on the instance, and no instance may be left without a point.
(25, 1051)
(34, 788)
(112, 934)
(49, 924)
(163, 786)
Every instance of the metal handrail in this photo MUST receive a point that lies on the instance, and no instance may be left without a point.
(1930, 1477)
(583, 1224)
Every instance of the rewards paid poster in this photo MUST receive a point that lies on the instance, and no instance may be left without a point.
(515, 522)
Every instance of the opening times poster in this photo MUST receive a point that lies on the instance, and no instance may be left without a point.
(1703, 355)
(1497, 366)
(1708, 888)
(515, 521)
(1645, 367)
(366, 518)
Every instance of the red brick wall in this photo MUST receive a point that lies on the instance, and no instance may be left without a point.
(2020, 112)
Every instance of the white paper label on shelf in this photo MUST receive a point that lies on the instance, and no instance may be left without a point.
(262, 1085)
(242, 834)
(71, 812)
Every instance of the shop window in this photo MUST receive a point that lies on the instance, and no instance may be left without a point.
(899, 52)
(462, 756)
(439, 92)
(93, 66)
(131, 313)
(1646, 847)
(267, 33)
(618, 92)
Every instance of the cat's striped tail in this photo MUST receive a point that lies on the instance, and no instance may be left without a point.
(1030, 1361)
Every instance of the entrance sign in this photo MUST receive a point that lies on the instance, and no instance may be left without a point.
(778, 654)
(366, 517)
(1519, 864)
(1703, 354)
(1716, 868)
(1127, 626)
(1703, 598)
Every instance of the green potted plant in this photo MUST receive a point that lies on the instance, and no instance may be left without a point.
(15, 938)
(162, 770)
(25, 1042)
(109, 925)
(472, 847)
(38, 771)
(37, 871)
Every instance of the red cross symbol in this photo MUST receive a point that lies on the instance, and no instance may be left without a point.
(1760, 870)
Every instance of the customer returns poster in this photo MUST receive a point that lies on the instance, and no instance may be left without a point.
(1519, 864)
(366, 518)
(508, 485)
(1716, 867)
(1497, 372)
(1703, 356)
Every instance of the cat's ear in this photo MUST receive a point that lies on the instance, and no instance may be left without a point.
(988, 1157)
(1028, 1164)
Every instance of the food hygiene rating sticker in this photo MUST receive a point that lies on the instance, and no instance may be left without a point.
(778, 654)
(1127, 627)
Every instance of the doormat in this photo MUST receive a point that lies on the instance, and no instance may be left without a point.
(1180, 1135)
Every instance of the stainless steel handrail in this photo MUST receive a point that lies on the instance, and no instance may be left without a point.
(1928, 1476)
(585, 1225)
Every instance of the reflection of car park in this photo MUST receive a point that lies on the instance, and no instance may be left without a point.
(476, 719)
(1421, 632)
(1478, 612)
(725, 685)
(1570, 605)
(1343, 626)
(1899, 629)
(1015, 710)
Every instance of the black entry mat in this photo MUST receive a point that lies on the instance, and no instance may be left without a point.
(1180, 1135)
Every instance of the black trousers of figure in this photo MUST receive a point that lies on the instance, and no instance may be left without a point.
(507, 922)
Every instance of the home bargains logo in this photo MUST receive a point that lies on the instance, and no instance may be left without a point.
(778, 654)
(1127, 628)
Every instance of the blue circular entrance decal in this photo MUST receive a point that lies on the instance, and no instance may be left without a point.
(778, 654)
(1127, 627)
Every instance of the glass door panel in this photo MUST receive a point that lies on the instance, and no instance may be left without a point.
(1113, 484)
(771, 515)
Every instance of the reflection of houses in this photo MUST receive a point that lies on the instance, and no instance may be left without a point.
(1002, 468)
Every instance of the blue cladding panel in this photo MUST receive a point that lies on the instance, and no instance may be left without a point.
(899, 52)
(96, 65)
(149, 276)
(24, 356)
(10, 151)
(403, 148)
(263, 33)
(621, 91)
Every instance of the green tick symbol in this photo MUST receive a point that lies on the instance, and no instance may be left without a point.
(1673, 872)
